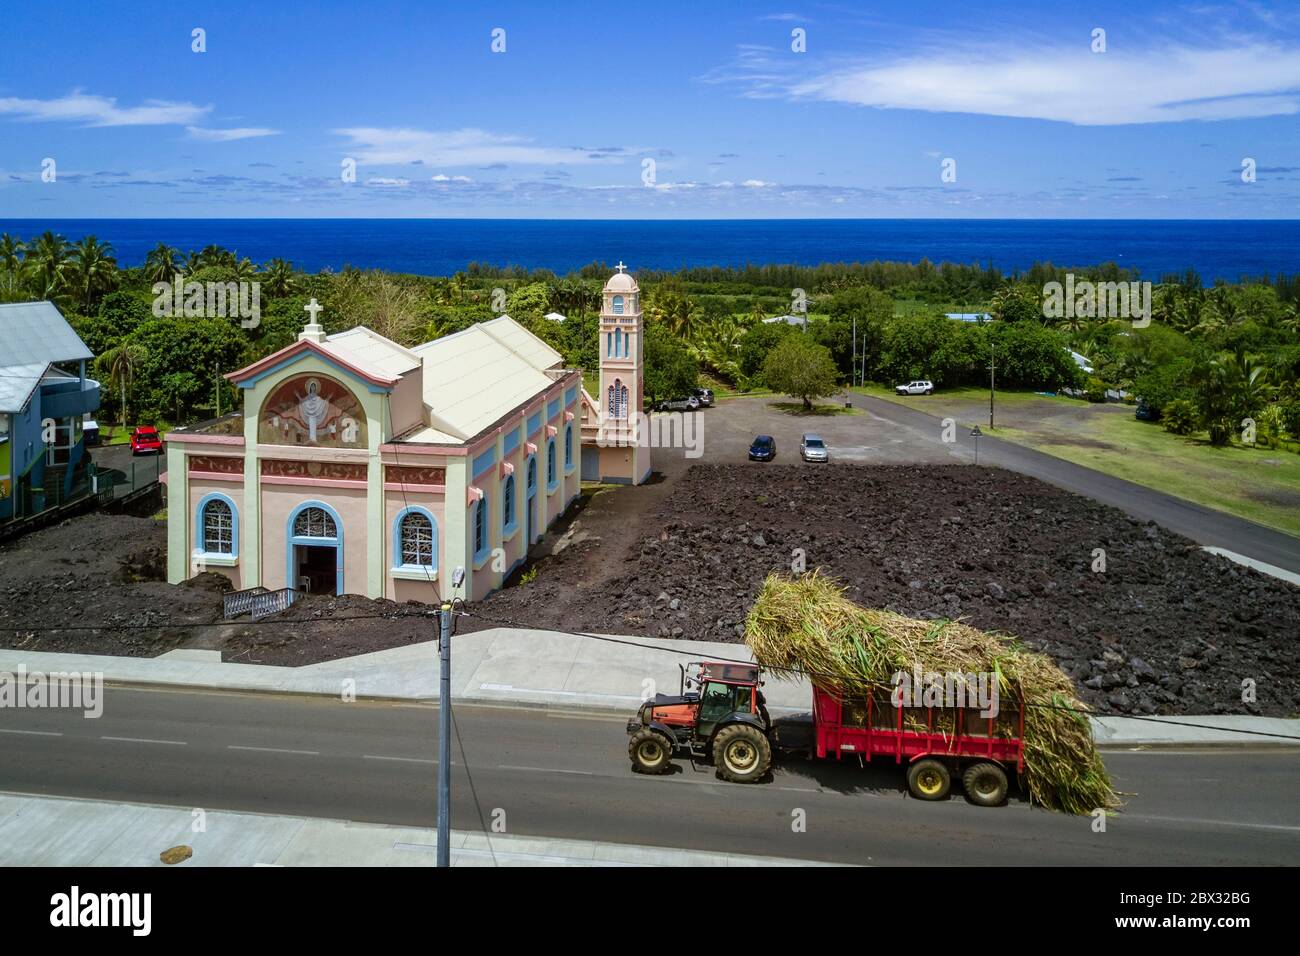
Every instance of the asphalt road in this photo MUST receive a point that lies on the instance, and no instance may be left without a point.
(567, 776)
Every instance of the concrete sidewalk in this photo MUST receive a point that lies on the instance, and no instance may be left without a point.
(54, 831)
(518, 667)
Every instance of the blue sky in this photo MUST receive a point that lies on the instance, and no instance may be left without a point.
(665, 110)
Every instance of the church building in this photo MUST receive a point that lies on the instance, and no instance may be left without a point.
(359, 466)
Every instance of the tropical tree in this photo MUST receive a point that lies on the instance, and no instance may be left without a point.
(121, 363)
(802, 369)
(243, 270)
(48, 261)
(279, 277)
(93, 270)
(160, 265)
(11, 262)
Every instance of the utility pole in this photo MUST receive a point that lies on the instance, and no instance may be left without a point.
(854, 377)
(217, 373)
(991, 361)
(444, 736)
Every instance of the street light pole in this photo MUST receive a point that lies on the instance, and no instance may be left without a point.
(991, 363)
(444, 736)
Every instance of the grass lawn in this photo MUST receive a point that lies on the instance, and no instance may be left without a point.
(1256, 483)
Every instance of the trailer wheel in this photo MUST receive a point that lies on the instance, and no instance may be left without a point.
(929, 779)
(741, 753)
(651, 752)
(985, 784)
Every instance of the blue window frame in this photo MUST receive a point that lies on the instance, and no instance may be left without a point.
(618, 305)
(568, 445)
(481, 528)
(415, 540)
(551, 480)
(216, 527)
(532, 473)
(508, 505)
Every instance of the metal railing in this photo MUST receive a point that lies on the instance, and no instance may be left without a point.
(257, 601)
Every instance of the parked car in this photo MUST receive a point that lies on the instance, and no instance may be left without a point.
(763, 448)
(919, 387)
(688, 404)
(1144, 412)
(145, 440)
(705, 395)
(812, 448)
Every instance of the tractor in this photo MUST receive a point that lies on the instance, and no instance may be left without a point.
(719, 715)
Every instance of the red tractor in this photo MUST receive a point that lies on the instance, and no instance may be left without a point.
(720, 715)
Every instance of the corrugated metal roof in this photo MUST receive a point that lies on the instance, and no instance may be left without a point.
(472, 378)
(17, 382)
(373, 351)
(32, 332)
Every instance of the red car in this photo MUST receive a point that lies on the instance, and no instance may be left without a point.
(145, 439)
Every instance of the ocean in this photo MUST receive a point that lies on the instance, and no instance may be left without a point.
(1217, 249)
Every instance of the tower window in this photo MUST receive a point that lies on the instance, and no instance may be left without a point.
(618, 305)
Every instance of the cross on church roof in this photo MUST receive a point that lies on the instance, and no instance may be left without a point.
(620, 267)
(313, 307)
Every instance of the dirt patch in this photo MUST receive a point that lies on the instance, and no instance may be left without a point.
(1166, 628)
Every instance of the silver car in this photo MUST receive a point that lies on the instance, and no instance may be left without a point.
(812, 448)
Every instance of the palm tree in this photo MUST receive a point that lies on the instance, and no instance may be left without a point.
(11, 260)
(243, 270)
(47, 258)
(279, 277)
(121, 363)
(193, 261)
(215, 255)
(94, 270)
(161, 263)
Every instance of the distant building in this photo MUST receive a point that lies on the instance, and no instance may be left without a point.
(787, 319)
(554, 317)
(980, 317)
(1082, 361)
(44, 396)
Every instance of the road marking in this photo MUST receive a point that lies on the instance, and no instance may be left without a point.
(275, 750)
(34, 733)
(799, 789)
(403, 759)
(146, 740)
(1223, 823)
(581, 773)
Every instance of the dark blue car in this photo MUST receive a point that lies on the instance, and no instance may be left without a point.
(763, 448)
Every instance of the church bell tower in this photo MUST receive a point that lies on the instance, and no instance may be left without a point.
(624, 430)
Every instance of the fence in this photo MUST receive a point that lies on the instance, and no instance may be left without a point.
(257, 601)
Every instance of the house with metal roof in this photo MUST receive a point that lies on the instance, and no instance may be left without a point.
(44, 397)
(360, 466)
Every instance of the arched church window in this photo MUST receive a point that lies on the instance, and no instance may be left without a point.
(218, 527)
(568, 447)
(532, 474)
(314, 523)
(622, 401)
(417, 539)
(550, 465)
(508, 503)
(618, 305)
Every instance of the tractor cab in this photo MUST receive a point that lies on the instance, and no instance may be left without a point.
(719, 713)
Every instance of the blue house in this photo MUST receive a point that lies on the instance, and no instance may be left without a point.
(44, 396)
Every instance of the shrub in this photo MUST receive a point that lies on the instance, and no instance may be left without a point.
(1179, 417)
(1095, 390)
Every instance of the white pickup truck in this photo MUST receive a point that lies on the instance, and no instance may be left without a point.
(919, 387)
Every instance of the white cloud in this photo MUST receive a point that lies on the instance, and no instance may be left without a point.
(228, 135)
(78, 107)
(463, 147)
(1068, 85)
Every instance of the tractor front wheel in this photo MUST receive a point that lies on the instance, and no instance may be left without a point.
(929, 779)
(651, 752)
(741, 753)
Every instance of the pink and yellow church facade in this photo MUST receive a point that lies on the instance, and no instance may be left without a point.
(359, 466)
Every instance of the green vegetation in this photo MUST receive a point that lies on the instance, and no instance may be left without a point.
(802, 369)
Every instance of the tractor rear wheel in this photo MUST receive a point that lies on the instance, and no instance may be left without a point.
(741, 753)
(651, 752)
(985, 784)
(929, 779)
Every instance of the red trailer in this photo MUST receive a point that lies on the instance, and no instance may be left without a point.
(720, 713)
(935, 742)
